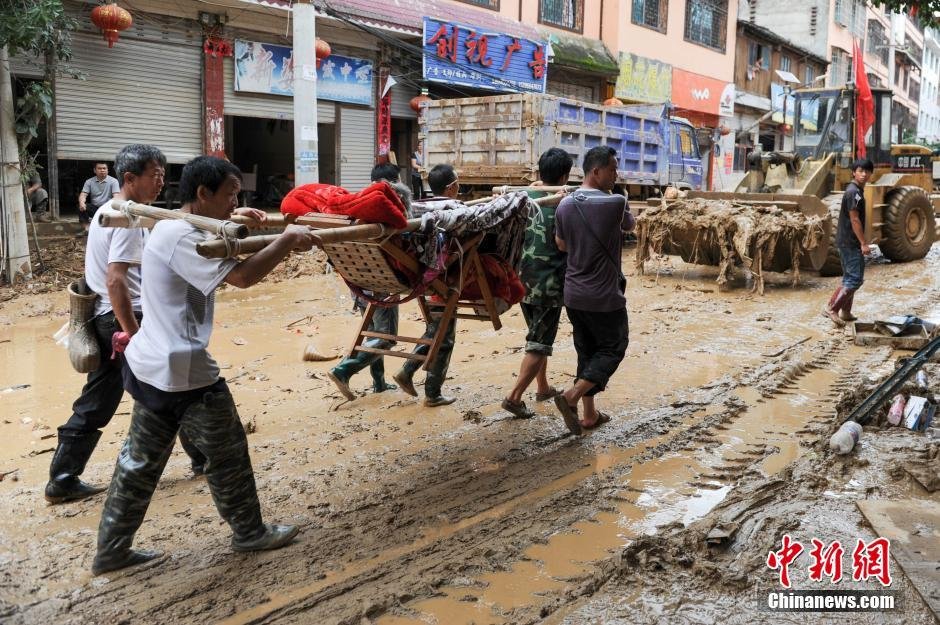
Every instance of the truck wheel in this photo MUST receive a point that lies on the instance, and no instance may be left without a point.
(833, 264)
(908, 229)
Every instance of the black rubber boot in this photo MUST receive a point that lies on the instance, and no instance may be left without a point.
(68, 462)
(272, 537)
(139, 467)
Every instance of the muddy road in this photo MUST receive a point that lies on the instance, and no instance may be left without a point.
(462, 514)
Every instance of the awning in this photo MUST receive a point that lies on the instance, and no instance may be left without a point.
(590, 55)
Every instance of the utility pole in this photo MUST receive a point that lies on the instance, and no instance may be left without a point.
(306, 139)
(14, 243)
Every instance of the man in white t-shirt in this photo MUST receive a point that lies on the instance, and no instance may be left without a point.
(112, 271)
(175, 382)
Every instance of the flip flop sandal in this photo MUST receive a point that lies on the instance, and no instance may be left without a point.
(552, 394)
(602, 418)
(569, 413)
(518, 409)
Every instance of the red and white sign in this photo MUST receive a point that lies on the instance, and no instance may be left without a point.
(694, 92)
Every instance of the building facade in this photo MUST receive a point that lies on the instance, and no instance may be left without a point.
(928, 125)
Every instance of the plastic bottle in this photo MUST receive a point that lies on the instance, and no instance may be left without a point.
(896, 413)
(843, 441)
(922, 380)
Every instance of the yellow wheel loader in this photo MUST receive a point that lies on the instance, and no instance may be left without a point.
(900, 213)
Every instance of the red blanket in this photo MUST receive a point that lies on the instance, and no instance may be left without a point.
(377, 203)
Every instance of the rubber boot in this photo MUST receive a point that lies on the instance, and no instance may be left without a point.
(845, 312)
(84, 353)
(832, 308)
(68, 462)
(437, 373)
(213, 425)
(139, 467)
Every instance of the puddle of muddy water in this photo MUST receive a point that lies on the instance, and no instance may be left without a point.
(677, 487)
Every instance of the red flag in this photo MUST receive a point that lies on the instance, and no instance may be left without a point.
(864, 103)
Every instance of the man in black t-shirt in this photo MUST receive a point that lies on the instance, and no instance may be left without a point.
(850, 239)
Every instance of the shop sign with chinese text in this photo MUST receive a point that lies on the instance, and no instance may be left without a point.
(269, 68)
(643, 80)
(474, 57)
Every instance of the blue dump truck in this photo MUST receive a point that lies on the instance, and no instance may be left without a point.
(497, 140)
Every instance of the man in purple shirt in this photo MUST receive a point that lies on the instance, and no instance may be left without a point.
(588, 226)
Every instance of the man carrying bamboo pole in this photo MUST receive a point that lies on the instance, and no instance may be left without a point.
(112, 273)
(175, 382)
(384, 319)
(443, 182)
(543, 274)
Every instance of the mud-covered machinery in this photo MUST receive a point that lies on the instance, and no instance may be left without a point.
(900, 213)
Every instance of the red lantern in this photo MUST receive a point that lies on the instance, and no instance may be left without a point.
(111, 19)
(323, 50)
(613, 102)
(418, 100)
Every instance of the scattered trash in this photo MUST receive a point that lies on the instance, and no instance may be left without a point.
(15, 387)
(3, 475)
(921, 380)
(917, 413)
(845, 438)
(239, 340)
(37, 452)
(896, 413)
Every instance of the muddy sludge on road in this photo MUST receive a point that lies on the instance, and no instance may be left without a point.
(452, 515)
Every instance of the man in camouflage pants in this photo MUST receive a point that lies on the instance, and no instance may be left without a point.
(543, 275)
(175, 382)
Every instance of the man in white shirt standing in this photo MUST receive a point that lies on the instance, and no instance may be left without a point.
(112, 271)
(176, 383)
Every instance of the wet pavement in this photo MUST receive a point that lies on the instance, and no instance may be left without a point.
(458, 514)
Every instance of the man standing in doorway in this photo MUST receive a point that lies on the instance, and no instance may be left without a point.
(850, 239)
(589, 226)
(175, 382)
(97, 190)
(443, 182)
(543, 275)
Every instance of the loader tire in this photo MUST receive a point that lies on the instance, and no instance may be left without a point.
(908, 229)
(833, 264)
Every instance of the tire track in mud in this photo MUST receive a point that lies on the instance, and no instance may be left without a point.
(478, 522)
(437, 518)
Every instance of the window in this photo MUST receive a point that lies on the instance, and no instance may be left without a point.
(785, 63)
(758, 55)
(877, 43)
(809, 75)
(650, 13)
(567, 14)
(706, 22)
(486, 4)
(851, 14)
(840, 70)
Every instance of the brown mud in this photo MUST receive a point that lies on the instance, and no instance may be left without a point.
(721, 413)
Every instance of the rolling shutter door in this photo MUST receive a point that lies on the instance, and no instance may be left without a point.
(357, 147)
(136, 92)
(401, 101)
(265, 106)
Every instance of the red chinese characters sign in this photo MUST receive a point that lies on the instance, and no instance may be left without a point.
(869, 561)
(466, 55)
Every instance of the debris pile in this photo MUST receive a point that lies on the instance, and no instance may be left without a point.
(726, 233)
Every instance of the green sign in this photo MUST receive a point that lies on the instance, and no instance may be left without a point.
(643, 80)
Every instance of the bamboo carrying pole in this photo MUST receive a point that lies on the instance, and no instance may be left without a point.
(219, 249)
(218, 226)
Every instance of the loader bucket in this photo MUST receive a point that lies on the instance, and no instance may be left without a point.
(688, 243)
